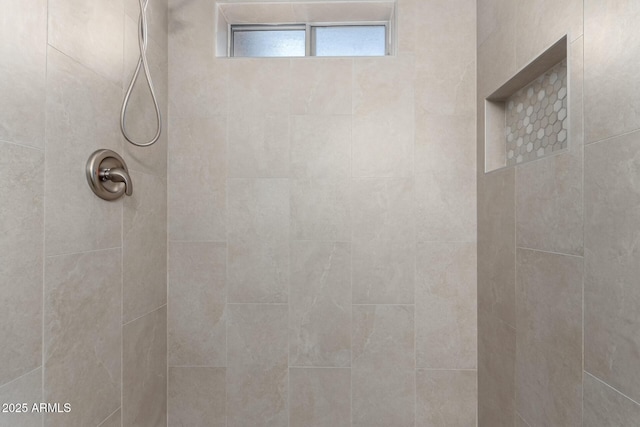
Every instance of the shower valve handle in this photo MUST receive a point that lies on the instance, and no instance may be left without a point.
(118, 175)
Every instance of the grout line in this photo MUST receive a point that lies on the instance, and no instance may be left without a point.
(145, 314)
(549, 252)
(44, 221)
(109, 416)
(83, 252)
(448, 369)
(20, 377)
(611, 387)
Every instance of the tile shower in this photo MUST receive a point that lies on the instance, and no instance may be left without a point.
(301, 247)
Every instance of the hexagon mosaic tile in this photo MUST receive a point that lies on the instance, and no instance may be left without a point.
(536, 120)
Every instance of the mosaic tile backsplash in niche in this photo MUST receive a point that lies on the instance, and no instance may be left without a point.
(536, 117)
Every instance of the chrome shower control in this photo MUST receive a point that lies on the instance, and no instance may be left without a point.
(108, 175)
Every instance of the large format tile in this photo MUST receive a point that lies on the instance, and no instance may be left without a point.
(446, 398)
(23, 70)
(321, 86)
(198, 82)
(605, 407)
(445, 57)
(383, 210)
(259, 86)
(496, 372)
(197, 296)
(549, 339)
(196, 185)
(382, 85)
(24, 390)
(446, 206)
(114, 420)
(92, 33)
(321, 209)
(144, 370)
(82, 116)
(549, 192)
(612, 267)
(496, 245)
(320, 304)
(144, 246)
(446, 331)
(259, 146)
(257, 391)
(542, 23)
(612, 101)
(157, 13)
(82, 336)
(197, 397)
(383, 367)
(21, 259)
(383, 272)
(320, 146)
(319, 397)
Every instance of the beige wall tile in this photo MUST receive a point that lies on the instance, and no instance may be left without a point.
(444, 143)
(259, 146)
(320, 146)
(383, 144)
(382, 85)
(198, 82)
(496, 245)
(445, 57)
(320, 304)
(319, 397)
(257, 356)
(196, 310)
(23, 49)
(82, 335)
(91, 33)
(542, 23)
(259, 86)
(383, 365)
(494, 16)
(549, 339)
(21, 259)
(612, 299)
(496, 372)
(26, 389)
(383, 272)
(446, 398)
(196, 186)
(144, 370)
(114, 420)
(258, 272)
(197, 397)
(549, 203)
(446, 331)
(321, 209)
(612, 101)
(321, 86)
(446, 206)
(383, 209)
(258, 209)
(605, 407)
(144, 246)
(82, 116)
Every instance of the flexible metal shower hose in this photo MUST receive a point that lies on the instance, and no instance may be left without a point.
(142, 64)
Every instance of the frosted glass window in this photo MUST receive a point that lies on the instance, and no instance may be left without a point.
(269, 43)
(352, 40)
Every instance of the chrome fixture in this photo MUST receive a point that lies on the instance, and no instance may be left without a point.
(108, 175)
(142, 64)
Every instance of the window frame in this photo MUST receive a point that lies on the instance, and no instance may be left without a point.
(308, 28)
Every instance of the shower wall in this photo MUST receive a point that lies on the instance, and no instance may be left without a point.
(558, 300)
(82, 280)
(322, 229)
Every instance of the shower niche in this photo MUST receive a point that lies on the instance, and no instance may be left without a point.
(527, 118)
